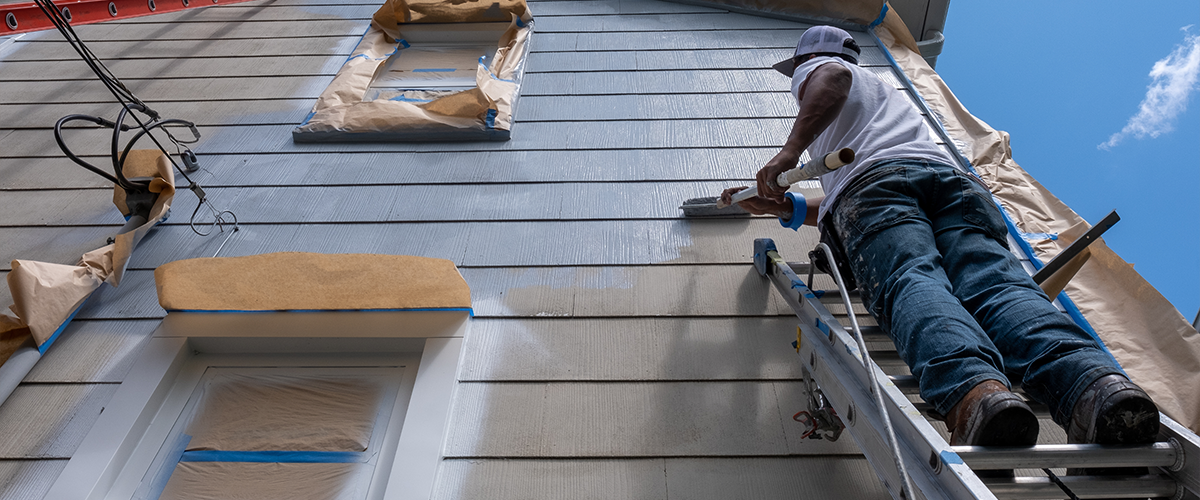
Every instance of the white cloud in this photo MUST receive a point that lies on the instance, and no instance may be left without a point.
(1174, 78)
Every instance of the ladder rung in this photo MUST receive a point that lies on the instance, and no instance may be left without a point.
(1068, 455)
(1084, 487)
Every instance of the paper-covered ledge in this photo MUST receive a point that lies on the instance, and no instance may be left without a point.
(297, 281)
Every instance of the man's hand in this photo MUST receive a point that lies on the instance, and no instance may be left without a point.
(767, 187)
(759, 205)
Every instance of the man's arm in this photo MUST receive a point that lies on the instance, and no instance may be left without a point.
(822, 96)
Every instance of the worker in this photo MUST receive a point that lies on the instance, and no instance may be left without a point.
(928, 250)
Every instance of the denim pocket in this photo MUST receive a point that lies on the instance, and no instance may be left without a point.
(881, 199)
(979, 209)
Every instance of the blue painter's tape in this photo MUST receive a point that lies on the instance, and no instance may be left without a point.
(434, 70)
(364, 56)
(490, 120)
(520, 24)
(46, 345)
(950, 458)
(1039, 236)
(283, 457)
(882, 14)
(224, 311)
(819, 293)
(797, 284)
(823, 327)
(407, 99)
(307, 118)
(404, 43)
(809, 295)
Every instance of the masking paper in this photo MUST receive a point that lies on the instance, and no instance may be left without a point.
(343, 112)
(1151, 340)
(45, 295)
(309, 281)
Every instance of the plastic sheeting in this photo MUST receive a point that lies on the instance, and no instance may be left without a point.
(345, 111)
(1153, 342)
(286, 412)
(308, 281)
(46, 296)
(265, 481)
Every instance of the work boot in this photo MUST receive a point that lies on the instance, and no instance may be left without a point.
(991, 415)
(1113, 410)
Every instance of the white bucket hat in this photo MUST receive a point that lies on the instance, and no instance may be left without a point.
(821, 40)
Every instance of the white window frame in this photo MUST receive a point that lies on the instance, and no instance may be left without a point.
(120, 447)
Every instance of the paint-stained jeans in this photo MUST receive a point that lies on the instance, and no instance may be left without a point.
(928, 249)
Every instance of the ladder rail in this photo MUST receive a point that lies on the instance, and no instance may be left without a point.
(868, 364)
(833, 358)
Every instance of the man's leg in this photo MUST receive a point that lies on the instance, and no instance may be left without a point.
(892, 251)
(1052, 357)
(891, 246)
(1057, 362)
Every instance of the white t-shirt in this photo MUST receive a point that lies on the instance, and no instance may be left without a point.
(878, 122)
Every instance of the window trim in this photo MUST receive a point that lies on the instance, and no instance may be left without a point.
(161, 380)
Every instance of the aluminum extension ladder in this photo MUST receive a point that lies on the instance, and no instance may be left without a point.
(908, 454)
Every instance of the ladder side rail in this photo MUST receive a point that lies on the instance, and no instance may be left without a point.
(1187, 471)
(935, 469)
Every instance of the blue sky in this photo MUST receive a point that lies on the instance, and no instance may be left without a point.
(1062, 78)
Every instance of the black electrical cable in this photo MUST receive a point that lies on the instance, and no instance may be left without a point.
(1054, 478)
(130, 105)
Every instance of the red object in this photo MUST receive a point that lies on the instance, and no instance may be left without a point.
(26, 17)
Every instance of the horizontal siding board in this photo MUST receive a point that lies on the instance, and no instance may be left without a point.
(50, 420)
(825, 478)
(189, 89)
(817, 478)
(311, 169)
(322, 65)
(203, 114)
(633, 419)
(613, 479)
(310, 87)
(93, 351)
(622, 291)
(630, 349)
(609, 7)
(732, 133)
(653, 82)
(185, 49)
(28, 478)
(608, 291)
(582, 243)
(686, 40)
(211, 31)
(660, 22)
(387, 203)
(241, 13)
(30, 71)
(531, 108)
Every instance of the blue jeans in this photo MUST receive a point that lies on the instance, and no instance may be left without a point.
(930, 254)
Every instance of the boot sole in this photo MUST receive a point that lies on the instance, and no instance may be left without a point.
(1131, 420)
(1012, 426)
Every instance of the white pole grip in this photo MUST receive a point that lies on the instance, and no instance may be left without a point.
(829, 163)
